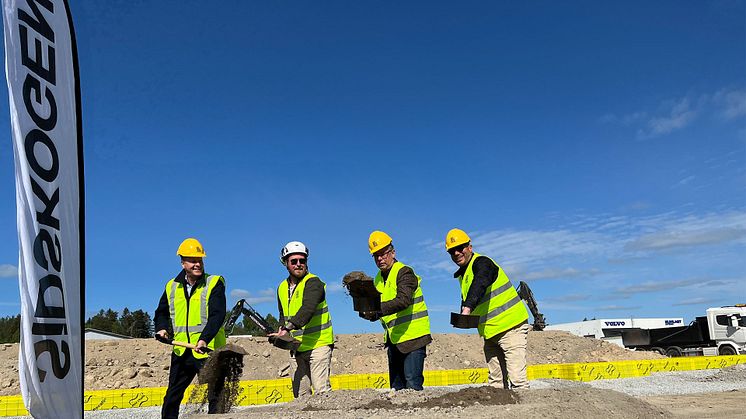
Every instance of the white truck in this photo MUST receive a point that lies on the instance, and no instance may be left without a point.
(721, 332)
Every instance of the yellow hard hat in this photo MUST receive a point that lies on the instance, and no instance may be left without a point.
(377, 241)
(456, 237)
(191, 248)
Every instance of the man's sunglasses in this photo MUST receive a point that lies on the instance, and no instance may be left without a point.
(460, 249)
(294, 262)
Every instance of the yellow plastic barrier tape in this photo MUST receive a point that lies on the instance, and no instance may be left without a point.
(257, 392)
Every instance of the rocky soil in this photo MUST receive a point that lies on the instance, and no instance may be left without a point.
(137, 363)
(570, 401)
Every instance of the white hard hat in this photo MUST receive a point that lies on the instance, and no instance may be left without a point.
(291, 248)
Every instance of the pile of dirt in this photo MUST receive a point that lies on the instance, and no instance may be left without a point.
(137, 363)
(575, 401)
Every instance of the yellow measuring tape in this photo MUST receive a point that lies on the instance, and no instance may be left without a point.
(256, 392)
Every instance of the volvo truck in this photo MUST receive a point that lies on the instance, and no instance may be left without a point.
(721, 332)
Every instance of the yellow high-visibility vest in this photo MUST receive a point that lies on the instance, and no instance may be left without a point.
(407, 324)
(189, 317)
(500, 308)
(318, 331)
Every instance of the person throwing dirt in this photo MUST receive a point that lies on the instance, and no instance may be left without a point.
(403, 314)
(487, 292)
(193, 306)
(304, 315)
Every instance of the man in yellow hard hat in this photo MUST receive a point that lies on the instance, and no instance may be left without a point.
(304, 315)
(487, 292)
(192, 306)
(403, 314)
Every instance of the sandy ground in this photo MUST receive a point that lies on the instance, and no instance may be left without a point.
(569, 402)
(546, 399)
(480, 402)
(135, 363)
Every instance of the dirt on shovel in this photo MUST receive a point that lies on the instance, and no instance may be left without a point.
(220, 376)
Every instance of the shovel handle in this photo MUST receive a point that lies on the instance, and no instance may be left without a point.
(187, 345)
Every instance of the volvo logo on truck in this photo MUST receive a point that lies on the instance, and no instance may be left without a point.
(614, 323)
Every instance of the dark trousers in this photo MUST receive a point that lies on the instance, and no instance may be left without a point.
(183, 370)
(405, 370)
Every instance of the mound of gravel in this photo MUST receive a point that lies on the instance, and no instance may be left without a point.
(134, 363)
(736, 373)
(576, 401)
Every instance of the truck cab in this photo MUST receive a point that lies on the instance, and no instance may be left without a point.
(727, 327)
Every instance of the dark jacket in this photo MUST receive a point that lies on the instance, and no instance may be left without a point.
(406, 285)
(215, 315)
(485, 273)
(313, 294)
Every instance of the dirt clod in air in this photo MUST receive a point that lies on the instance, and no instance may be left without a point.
(219, 378)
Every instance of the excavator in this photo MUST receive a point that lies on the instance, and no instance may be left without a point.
(242, 307)
(526, 295)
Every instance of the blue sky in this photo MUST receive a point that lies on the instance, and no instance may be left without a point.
(596, 150)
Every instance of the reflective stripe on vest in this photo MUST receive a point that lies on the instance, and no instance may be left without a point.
(500, 308)
(410, 323)
(318, 331)
(186, 325)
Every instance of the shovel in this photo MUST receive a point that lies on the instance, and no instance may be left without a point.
(231, 349)
(170, 341)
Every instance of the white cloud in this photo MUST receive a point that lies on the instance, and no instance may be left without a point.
(697, 301)
(678, 115)
(653, 286)
(686, 180)
(263, 296)
(674, 115)
(732, 103)
(523, 247)
(334, 288)
(691, 231)
(569, 298)
(551, 274)
(8, 271)
(617, 308)
(588, 243)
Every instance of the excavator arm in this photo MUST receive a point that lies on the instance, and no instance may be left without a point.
(242, 307)
(526, 295)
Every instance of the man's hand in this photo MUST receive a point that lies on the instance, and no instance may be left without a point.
(370, 315)
(281, 331)
(201, 347)
(162, 333)
(465, 310)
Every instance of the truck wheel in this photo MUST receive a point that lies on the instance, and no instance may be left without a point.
(673, 351)
(726, 350)
(658, 350)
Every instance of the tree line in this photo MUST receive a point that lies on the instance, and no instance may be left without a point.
(137, 324)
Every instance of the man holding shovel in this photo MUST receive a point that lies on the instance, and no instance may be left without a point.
(193, 305)
(304, 315)
(403, 314)
(487, 292)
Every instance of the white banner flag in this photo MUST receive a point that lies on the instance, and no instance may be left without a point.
(41, 66)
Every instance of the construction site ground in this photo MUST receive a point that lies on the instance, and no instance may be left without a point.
(139, 363)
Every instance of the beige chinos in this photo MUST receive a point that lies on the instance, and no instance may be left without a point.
(506, 353)
(312, 370)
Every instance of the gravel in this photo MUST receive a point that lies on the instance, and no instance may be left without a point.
(676, 383)
(669, 383)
